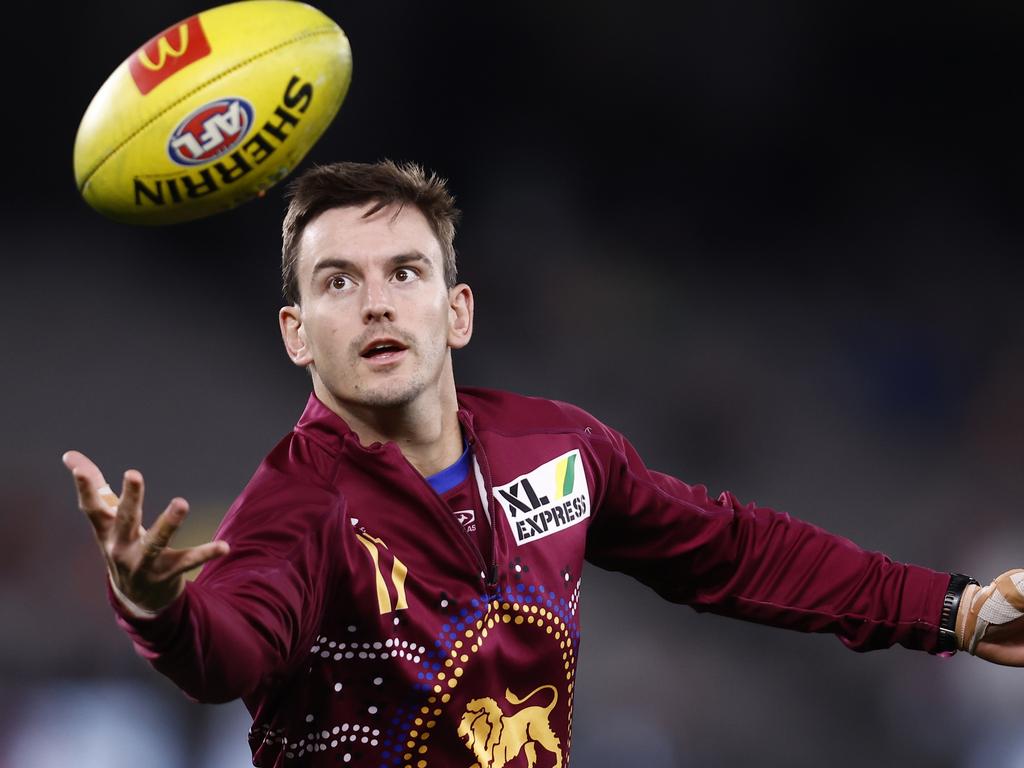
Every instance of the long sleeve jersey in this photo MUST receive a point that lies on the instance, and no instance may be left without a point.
(361, 624)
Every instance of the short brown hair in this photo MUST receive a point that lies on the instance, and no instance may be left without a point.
(386, 182)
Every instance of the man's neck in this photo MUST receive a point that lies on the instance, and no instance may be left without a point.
(427, 433)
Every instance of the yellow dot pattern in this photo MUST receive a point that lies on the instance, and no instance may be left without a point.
(499, 613)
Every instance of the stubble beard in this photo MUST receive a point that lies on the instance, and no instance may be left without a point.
(391, 395)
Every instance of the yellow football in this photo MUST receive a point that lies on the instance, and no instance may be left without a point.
(211, 112)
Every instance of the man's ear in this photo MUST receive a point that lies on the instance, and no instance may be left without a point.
(293, 334)
(460, 316)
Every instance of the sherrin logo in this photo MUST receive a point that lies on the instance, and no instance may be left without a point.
(549, 499)
(211, 131)
(194, 183)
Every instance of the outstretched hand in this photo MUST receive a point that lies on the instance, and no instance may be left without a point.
(990, 622)
(1003, 645)
(141, 564)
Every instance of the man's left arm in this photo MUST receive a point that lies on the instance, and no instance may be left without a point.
(758, 564)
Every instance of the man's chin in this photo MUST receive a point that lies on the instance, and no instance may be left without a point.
(388, 396)
(386, 401)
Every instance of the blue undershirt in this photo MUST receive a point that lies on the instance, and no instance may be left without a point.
(448, 478)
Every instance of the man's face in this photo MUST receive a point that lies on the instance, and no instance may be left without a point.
(375, 319)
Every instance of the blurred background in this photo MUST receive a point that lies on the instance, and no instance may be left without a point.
(776, 244)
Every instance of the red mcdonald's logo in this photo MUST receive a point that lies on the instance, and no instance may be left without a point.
(169, 52)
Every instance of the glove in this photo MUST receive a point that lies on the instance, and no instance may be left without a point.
(983, 609)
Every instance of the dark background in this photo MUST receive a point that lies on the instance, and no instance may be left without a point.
(777, 244)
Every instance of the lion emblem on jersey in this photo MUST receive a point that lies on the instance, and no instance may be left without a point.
(497, 738)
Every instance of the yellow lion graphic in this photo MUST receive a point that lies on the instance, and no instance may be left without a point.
(497, 738)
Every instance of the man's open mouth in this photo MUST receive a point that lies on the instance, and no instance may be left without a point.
(382, 347)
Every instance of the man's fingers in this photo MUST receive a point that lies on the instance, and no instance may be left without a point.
(159, 535)
(196, 556)
(100, 514)
(79, 463)
(88, 494)
(997, 653)
(129, 510)
(94, 495)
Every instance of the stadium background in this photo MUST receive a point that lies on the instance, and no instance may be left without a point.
(775, 244)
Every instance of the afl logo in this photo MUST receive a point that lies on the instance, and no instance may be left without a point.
(211, 131)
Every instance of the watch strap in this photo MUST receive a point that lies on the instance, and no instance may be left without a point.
(950, 608)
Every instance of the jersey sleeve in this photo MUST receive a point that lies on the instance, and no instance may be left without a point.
(250, 616)
(753, 563)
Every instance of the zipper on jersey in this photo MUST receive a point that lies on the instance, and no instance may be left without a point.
(450, 521)
(485, 468)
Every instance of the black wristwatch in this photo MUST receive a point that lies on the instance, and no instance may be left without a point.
(950, 607)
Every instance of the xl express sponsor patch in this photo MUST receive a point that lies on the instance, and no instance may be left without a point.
(546, 500)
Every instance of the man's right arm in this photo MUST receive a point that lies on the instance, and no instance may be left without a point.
(256, 605)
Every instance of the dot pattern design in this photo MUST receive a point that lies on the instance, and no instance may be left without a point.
(574, 601)
(394, 744)
(347, 734)
(326, 648)
(321, 738)
(404, 741)
(462, 638)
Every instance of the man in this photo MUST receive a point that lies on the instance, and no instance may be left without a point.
(398, 584)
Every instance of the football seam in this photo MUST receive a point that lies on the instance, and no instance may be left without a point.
(204, 84)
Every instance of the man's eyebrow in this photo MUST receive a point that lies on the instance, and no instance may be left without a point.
(413, 257)
(393, 262)
(344, 264)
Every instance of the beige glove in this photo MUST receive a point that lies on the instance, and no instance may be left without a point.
(984, 608)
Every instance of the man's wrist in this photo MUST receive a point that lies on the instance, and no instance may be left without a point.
(966, 604)
(132, 609)
(953, 604)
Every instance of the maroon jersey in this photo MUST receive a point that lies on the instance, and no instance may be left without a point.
(362, 624)
(463, 498)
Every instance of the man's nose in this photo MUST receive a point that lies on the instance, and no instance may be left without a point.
(377, 304)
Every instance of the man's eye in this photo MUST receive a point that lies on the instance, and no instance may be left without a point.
(339, 282)
(404, 274)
